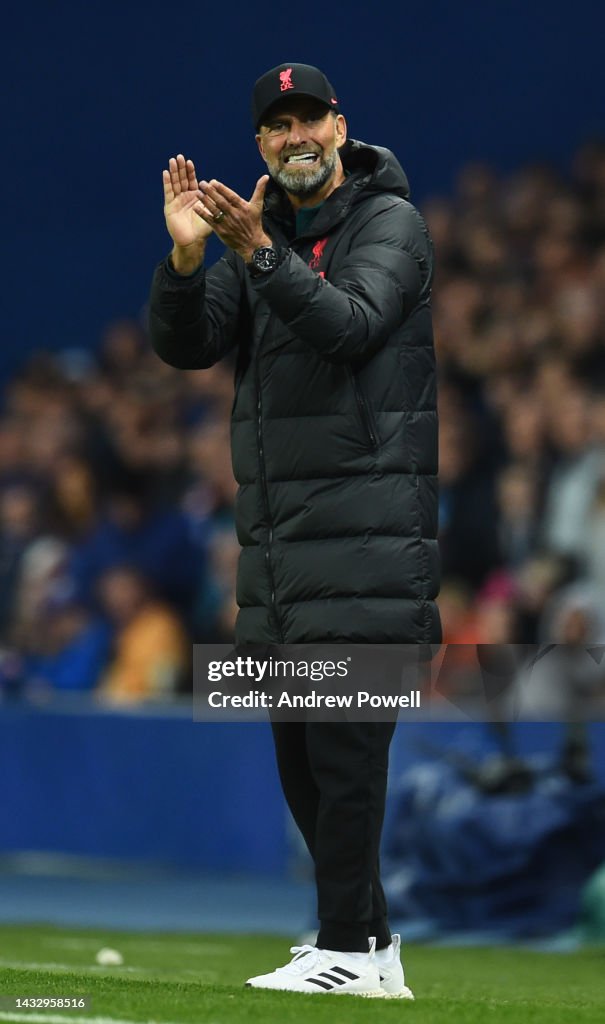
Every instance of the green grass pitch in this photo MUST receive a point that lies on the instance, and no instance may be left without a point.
(199, 979)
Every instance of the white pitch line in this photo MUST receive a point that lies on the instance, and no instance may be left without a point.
(30, 965)
(196, 949)
(51, 940)
(126, 972)
(57, 1018)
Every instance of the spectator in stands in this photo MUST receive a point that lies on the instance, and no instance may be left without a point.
(467, 511)
(72, 650)
(516, 491)
(578, 467)
(592, 544)
(151, 648)
(19, 523)
(43, 574)
(131, 529)
(216, 609)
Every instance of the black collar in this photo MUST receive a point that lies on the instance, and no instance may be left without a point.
(280, 212)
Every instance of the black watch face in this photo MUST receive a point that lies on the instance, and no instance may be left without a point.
(265, 259)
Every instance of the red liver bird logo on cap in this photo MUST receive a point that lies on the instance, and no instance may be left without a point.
(285, 78)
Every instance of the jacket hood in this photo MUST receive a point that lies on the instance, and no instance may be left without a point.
(379, 166)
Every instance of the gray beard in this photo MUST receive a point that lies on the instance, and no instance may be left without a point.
(306, 183)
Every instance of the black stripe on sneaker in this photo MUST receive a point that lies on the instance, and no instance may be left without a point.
(345, 974)
(322, 984)
(332, 977)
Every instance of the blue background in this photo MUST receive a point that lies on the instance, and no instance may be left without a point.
(142, 787)
(101, 94)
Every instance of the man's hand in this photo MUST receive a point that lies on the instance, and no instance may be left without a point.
(182, 209)
(236, 222)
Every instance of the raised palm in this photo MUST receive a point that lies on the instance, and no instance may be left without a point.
(181, 200)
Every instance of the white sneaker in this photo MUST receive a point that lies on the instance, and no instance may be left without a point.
(325, 971)
(390, 969)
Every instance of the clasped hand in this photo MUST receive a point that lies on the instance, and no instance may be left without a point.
(237, 222)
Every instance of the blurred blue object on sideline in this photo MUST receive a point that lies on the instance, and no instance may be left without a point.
(495, 845)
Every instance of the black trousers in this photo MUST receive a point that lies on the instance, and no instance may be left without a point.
(334, 778)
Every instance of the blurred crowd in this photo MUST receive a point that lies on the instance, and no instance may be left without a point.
(520, 333)
(117, 544)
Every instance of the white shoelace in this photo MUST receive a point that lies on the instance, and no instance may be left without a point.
(304, 959)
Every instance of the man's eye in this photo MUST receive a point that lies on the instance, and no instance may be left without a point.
(278, 126)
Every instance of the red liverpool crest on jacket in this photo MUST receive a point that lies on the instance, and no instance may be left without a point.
(318, 251)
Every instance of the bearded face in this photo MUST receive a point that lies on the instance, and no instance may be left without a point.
(300, 147)
(304, 172)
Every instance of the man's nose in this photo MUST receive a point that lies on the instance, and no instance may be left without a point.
(297, 132)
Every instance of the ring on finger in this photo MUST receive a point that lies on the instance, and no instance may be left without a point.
(219, 216)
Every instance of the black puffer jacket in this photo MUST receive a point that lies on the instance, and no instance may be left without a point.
(334, 426)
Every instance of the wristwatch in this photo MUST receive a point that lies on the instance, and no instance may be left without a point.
(264, 260)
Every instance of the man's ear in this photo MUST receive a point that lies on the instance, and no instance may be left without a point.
(341, 130)
(259, 143)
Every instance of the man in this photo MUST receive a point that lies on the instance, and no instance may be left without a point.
(324, 292)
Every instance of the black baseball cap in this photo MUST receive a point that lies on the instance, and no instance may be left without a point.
(290, 80)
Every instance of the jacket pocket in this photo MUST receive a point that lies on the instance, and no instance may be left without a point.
(366, 414)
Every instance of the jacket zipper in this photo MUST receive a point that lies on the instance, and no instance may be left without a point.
(265, 491)
(364, 412)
